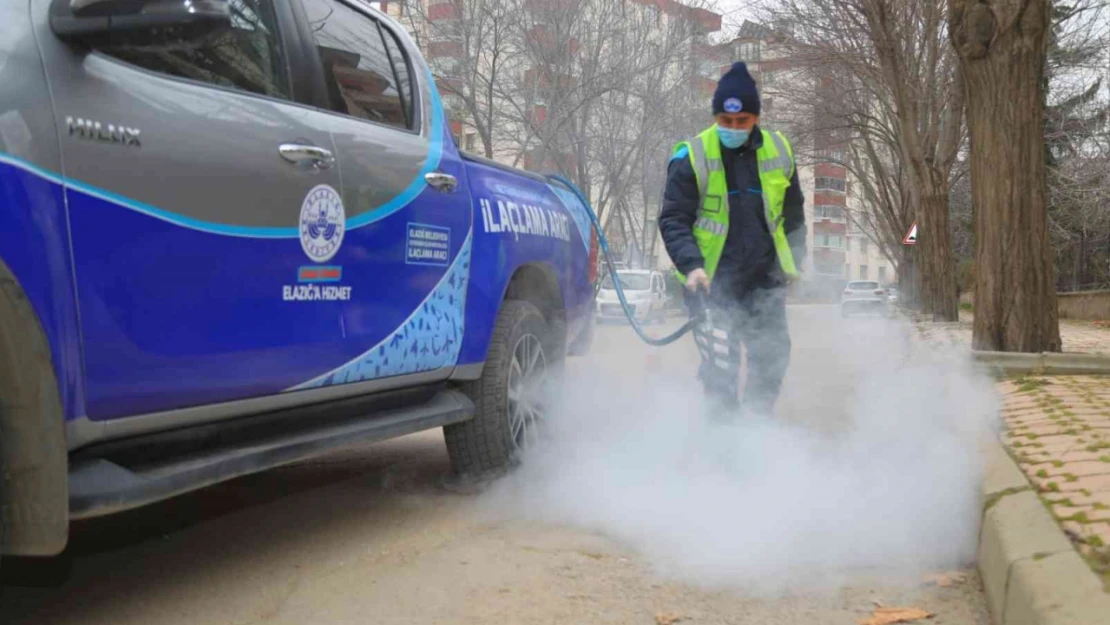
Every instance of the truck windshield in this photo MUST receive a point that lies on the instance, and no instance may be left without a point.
(629, 281)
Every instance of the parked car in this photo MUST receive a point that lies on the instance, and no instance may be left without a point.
(646, 292)
(231, 244)
(863, 297)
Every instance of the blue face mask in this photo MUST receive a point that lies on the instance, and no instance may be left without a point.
(732, 138)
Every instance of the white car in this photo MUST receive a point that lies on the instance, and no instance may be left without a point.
(645, 291)
(863, 296)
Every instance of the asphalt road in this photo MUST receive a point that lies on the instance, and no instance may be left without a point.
(610, 525)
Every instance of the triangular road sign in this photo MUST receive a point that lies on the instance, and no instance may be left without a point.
(911, 236)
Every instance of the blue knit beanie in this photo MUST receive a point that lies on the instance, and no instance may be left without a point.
(736, 92)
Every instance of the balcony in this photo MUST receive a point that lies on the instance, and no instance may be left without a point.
(829, 214)
(542, 37)
(448, 49)
(827, 241)
(829, 170)
(829, 198)
(543, 80)
(442, 11)
(830, 228)
(829, 185)
(830, 259)
(703, 85)
(539, 160)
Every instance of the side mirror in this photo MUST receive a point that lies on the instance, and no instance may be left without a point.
(167, 24)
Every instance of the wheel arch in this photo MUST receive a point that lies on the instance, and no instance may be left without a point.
(538, 283)
(34, 503)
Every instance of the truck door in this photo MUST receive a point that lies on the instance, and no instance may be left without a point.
(404, 187)
(203, 200)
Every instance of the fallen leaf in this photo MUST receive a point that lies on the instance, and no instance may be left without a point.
(668, 618)
(889, 616)
(944, 580)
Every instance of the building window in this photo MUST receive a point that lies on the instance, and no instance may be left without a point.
(863, 272)
(826, 211)
(471, 138)
(825, 183)
(829, 240)
(863, 245)
(748, 51)
(882, 274)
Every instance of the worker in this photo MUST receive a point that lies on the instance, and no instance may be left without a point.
(733, 223)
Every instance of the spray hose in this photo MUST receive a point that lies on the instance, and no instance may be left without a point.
(701, 307)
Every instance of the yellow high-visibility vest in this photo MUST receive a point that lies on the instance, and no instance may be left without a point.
(776, 167)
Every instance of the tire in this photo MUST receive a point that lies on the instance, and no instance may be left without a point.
(487, 444)
(33, 455)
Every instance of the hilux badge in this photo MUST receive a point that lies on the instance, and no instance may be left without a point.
(106, 133)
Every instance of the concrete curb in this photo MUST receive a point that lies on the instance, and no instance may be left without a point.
(1047, 363)
(1032, 575)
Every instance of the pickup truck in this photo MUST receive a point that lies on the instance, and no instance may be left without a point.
(235, 234)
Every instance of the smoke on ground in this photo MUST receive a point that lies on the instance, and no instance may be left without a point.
(871, 467)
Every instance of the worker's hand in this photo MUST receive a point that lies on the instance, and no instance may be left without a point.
(698, 280)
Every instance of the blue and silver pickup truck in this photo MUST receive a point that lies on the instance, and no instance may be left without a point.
(235, 234)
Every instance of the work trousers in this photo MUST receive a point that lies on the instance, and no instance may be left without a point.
(755, 322)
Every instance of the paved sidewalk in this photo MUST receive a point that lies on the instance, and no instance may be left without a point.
(1058, 429)
(1079, 337)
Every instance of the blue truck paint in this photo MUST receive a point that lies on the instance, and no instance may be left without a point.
(35, 247)
(500, 254)
(229, 350)
(34, 240)
(152, 313)
(429, 339)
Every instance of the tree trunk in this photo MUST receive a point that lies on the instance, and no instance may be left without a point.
(1002, 46)
(938, 279)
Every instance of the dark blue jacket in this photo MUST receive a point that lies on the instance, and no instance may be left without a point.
(748, 261)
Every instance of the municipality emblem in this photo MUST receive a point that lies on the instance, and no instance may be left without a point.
(323, 223)
(733, 105)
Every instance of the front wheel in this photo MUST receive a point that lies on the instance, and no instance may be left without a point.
(509, 397)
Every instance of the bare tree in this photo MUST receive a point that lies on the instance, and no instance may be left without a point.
(1002, 47)
(468, 43)
(890, 82)
(597, 90)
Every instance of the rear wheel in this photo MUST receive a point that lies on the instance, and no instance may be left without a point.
(509, 397)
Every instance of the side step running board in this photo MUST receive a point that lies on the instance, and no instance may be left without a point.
(98, 486)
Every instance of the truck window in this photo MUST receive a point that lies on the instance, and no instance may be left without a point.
(403, 69)
(248, 56)
(357, 66)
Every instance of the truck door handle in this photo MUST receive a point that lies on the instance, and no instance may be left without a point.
(304, 154)
(444, 182)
